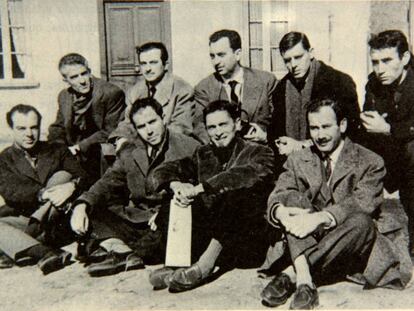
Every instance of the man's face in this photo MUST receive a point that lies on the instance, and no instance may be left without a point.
(324, 130)
(387, 64)
(26, 129)
(223, 58)
(149, 125)
(221, 128)
(151, 65)
(78, 77)
(297, 60)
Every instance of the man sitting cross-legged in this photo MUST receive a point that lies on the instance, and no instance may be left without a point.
(37, 180)
(120, 226)
(227, 183)
(325, 203)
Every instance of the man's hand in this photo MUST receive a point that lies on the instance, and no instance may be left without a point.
(79, 220)
(284, 212)
(287, 145)
(375, 123)
(151, 222)
(184, 193)
(302, 225)
(58, 194)
(74, 149)
(256, 134)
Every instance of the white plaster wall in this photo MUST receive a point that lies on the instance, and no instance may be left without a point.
(192, 22)
(56, 27)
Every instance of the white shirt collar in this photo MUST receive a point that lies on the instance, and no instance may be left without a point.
(335, 154)
(238, 77)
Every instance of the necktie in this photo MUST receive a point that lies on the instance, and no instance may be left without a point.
(152, 90)
(328, 168)
(233, 96)
(153, 154)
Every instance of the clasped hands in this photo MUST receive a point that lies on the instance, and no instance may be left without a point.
(301, 222)
(184, 193)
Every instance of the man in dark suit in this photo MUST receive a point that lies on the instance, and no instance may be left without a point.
(388, 115)
(173, 93)
(249, 89)
(307, 79)
(324, 203)
(37, 179)
(227, 183)
(127, 192)
(88, 111)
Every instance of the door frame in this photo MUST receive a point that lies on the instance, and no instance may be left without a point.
(104, 67)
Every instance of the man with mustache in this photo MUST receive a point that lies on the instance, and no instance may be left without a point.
(120, 208)
(88, 111)
(248, 89)
(325, 202)
(37, 181)
(307, 79)
(227, 183)
(173, 93)
(388, 115)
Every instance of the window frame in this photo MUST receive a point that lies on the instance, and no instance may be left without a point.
(8, 82)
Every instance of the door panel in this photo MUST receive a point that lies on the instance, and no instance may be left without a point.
(128, 25)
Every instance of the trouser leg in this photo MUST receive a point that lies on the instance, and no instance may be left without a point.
(407, 188)
(13, 240)
(340, 251)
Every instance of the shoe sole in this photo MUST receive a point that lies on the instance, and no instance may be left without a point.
(50, 266)
(312, 305)
(114, 270)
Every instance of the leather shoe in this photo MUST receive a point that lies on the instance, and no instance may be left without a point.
(160, 278)
(5, 261)
(305, 298)
(115, 263)
(98, 255)
(54, 261)
(185, 279)
(278, 291)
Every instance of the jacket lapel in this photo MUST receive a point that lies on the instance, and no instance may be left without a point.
(164, 90)
(22, 164)
(140, 156)
(346, 162)
(96, 105)
(251, 92)
(312, 168)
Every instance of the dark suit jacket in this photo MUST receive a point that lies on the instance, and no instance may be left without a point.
(328, 83)
(398, 104)
(244, 181)
(258, 87)
(108, 105)
(355, 186)
(20, 183)
(132, 176)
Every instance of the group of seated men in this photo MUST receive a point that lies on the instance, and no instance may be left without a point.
(239, 142)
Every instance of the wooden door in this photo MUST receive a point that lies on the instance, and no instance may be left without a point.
(124, 26)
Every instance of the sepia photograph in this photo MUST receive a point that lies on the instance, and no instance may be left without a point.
(206, 155)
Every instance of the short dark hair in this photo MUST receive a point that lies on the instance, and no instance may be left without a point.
(292, 38)
(143, 103)
(23, 109)
(221, 105)
(151, 46)
(233, 36)
(316, 105)
(73, 59)
(389, 39)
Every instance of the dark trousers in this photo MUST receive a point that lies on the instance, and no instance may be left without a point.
(235, 221)
(334, 253)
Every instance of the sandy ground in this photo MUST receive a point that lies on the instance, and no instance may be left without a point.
(72, 289)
